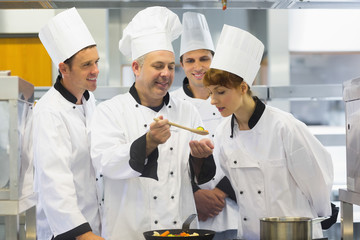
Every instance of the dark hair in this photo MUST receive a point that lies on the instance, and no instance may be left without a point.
(181, 57)
(70, 59)
(223, 78)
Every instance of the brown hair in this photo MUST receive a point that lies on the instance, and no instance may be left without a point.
(70, 59)
(223, 78)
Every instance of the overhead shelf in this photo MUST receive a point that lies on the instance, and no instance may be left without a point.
(183, 4)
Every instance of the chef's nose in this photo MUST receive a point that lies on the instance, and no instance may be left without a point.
(213, 99)
(197, 65)
(95, 69)
(166, 72)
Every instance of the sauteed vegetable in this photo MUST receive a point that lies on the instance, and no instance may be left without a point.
(167, 234)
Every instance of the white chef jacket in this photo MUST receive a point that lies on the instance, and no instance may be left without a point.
(228, 217)
(134, 204)
(277, 168)
(65, 178)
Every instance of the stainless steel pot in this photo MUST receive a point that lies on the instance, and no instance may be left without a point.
(295, 228)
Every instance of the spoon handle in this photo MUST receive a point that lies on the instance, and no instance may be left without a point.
(201, 132)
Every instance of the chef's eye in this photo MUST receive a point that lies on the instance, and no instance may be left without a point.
(204, 59)
(190, 60)
(220, 92)
(158, 66)
(171, 67)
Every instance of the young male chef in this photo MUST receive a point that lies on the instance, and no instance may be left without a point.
(146, 165)
(215, 201)
(65, 179)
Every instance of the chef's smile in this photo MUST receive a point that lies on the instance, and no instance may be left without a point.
(162, 85)
(198, 76)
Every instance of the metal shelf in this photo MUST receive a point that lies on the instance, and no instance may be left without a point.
(183, 4)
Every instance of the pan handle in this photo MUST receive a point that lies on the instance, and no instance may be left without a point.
(186, 224)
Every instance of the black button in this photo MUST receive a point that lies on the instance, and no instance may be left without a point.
(169, 106)
(259, 192)
(145, 125)
(172, 197)
(174, 222)
(171, 173)
(213, 179)
(213, 135)
(241, 192)
(137, 105)
(97, 179)
(235, 162)
(101, 175)
(155, 197)
(214, 114)
(171, 148)
(245, 219)
(74, 107)
(156, 222)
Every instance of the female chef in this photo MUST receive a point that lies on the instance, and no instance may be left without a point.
(276, 166)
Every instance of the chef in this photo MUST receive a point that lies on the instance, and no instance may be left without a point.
(147, 165)
(276, 166)
(215, 208)
(65, 180)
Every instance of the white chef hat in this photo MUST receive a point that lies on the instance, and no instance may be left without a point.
(196, 34)
(152, 29)
(64, 35)
(238, 52)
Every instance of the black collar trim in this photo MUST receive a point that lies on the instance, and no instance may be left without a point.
(135, 95)
(66, 94)
(255, 117)
(186, 88)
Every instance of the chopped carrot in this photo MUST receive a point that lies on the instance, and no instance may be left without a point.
(184, 234)
(164, 234)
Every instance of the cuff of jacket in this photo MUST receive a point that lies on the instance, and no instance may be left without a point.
(194, 186)
(207, 170)
(225, 186)
(75, 232)
(138, 159)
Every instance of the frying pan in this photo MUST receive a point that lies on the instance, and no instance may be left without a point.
(203, 233)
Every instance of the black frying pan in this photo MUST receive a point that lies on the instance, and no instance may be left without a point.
(203, 234)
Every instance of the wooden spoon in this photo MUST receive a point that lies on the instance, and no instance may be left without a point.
(194, 130)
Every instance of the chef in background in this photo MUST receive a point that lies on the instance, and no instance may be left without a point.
(215, 201)
(146, 164)
(276, 166)
(64, 176)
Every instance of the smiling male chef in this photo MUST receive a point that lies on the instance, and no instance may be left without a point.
(65, 179)
(145, 163)
(215, 200)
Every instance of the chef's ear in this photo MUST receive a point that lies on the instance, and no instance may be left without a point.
(244, 87)
(63, 68)
(136, 67)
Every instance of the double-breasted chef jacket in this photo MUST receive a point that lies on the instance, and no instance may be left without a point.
(228, 217)
(64, 175)
(277, 168)
(144, 193)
